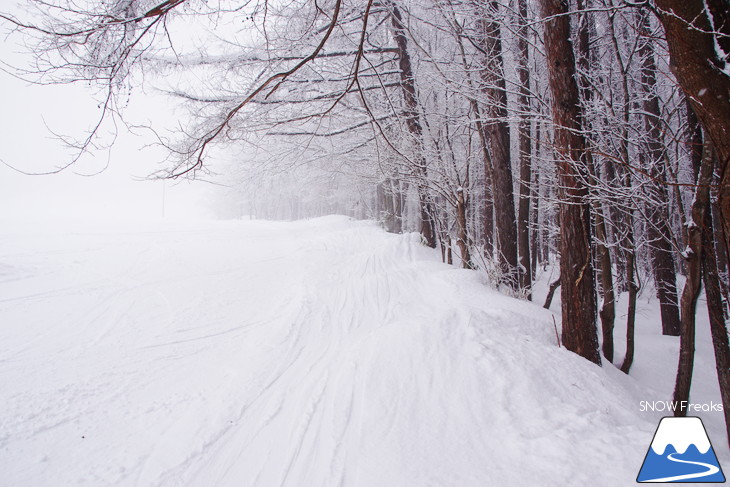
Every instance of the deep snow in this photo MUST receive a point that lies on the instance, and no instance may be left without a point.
(316, 353)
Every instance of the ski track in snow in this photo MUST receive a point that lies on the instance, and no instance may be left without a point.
(318, 353)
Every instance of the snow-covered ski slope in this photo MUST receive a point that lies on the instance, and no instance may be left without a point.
(318, 353)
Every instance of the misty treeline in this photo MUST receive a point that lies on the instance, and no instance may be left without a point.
(510, 133)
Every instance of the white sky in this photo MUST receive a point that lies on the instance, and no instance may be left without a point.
(26, 114)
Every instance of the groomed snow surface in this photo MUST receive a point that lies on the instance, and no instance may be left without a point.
(317, 353)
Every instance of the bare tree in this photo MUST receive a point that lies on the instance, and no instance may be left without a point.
(607, 312)
(658, 231)
(576, 267)
(410, 98)
(525, 146)
(497, 136)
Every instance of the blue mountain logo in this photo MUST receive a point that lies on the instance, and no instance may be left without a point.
(681, 452)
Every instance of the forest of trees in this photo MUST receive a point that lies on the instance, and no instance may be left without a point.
(510, 133)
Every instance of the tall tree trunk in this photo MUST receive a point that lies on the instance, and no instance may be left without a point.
(487, 206)
(539, 242)
(408, 87)
(722, 262)
(658, 232)
(607, 312)
(717, 314)
(688, 303)
(627, 242)
(497, 133)
(720, 252)
(525, 144)
(488, 194)
(534, 230)
(576, 267)
(696, 146)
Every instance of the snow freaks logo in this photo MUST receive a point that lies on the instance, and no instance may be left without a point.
(681, 452)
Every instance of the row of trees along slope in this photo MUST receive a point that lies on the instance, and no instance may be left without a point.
(508, 132)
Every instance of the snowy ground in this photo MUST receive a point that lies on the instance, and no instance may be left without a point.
(319, 353)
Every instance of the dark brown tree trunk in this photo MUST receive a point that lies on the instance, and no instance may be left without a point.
(408, 87)
(428, 230)
(658, 232)
(525, 144)
(485, 214)
(717, 315)
(631, 312)
(627, 241)
(696, 146)
(488, 209)
(720, 252)
(721, 256)
(497, 134)
(534, 231)
(551, 292)
(488, 227)
(550, 217)
(697, 67)
(665, 279)
(688, 303)
(538, 242)
(462, 238)
(576, 267)
(696, 140)
(607, 312)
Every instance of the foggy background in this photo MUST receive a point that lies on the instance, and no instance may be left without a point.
(105, 185)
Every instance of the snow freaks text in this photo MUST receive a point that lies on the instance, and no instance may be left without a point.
(682, 406)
